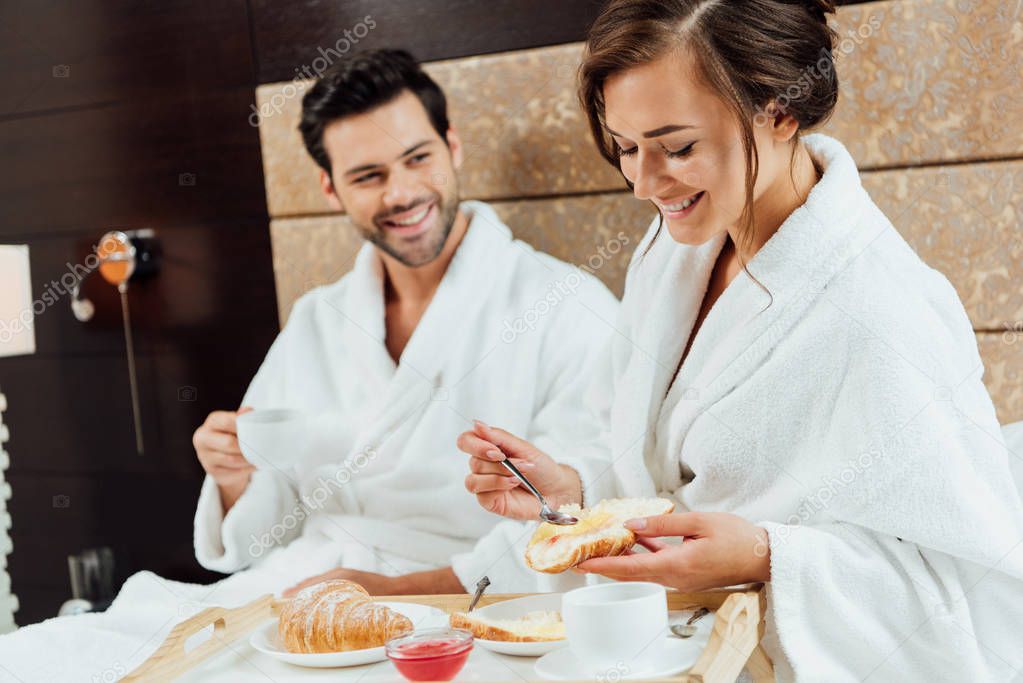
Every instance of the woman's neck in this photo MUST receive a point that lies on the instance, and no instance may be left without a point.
(776, 204)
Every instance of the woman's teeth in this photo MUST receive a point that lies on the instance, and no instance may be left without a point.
(683, 205)
(412, 220)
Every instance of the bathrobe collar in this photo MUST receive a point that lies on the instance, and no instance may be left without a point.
(745, 324)
(363, 302)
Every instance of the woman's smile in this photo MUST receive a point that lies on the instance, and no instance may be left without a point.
(678, 209)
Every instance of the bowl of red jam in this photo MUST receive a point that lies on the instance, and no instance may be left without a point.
(434, 654)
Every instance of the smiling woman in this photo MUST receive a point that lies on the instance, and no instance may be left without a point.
(784, 334)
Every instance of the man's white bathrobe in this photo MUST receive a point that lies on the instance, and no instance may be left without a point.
(845, 413)
(506, 339)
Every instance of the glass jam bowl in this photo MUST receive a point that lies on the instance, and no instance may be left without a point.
(434, 654)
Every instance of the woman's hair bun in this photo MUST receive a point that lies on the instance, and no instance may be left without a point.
(820, 9)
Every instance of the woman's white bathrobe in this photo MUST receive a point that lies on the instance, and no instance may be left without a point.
(505, 339)
(845, 413)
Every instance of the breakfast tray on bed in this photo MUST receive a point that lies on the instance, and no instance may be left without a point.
(734, 641)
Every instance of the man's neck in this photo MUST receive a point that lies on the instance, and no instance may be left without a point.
(410, 286)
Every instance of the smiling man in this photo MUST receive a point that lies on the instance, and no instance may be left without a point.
(444, 316)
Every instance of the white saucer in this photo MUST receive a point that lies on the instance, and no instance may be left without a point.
(676, 656)
(264, 639)
(513, 609)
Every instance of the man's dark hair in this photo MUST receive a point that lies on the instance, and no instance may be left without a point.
(361, 82)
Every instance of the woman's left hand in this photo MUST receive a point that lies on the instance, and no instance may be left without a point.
(719, 549)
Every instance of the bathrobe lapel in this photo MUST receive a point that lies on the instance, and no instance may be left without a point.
(747, 322)
(650, 342)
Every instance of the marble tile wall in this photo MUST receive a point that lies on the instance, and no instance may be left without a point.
(930, 107)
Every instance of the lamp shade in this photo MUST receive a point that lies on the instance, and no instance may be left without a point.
(17, 324)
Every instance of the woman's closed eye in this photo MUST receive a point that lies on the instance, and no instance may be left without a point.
(678, 154)
(673, 154)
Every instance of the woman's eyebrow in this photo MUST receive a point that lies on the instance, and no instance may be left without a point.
(656, 132)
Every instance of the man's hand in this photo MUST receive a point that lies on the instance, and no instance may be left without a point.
(498, 490)
(418, 583)
(216, 445)
(719, 549)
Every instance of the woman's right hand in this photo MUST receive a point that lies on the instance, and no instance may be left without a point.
(498, 490)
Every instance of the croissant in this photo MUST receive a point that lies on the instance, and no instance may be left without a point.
(337, 616)
(599, 533)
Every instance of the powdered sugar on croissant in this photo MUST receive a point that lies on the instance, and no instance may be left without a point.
(337, 616)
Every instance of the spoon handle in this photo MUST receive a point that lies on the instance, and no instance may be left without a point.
(515, 470)
(480, 587)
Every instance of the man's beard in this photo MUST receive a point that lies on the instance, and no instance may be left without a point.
(429, 245)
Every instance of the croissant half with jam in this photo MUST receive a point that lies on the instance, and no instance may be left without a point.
(337, 616)
(599, 533)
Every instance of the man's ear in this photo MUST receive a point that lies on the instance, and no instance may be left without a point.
(327, 185)
(455, 145)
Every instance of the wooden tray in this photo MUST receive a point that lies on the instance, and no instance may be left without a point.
(734, 641)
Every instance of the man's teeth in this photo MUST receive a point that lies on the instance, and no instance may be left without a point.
(413, 219)
(683, 205)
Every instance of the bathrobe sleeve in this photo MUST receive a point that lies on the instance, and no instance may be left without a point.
(875, 577)
(256, 522)
(567, 427)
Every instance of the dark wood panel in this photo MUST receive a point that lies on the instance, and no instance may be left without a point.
(73, 53)
(177, 159)
(289, 36)
(299, 38)
(72, 414)
(145, 519)
(212, 277)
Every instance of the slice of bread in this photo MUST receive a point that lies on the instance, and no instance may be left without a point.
(599, 533)
(531, 628)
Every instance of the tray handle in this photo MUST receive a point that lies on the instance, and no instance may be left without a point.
(734, 642)
(170, 659)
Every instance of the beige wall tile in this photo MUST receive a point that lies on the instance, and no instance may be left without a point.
(964, 221)
(1002, 354)
(930, 80)
(309, 252)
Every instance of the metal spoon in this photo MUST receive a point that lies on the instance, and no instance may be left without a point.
(688, 629)
(481, 586)
(546, 513)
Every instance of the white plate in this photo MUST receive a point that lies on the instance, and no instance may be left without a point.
(513, 609)
(677, 655)
(265, 640)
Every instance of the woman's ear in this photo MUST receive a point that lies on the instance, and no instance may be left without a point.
(783, 125)
(327, 185)
(455, 145)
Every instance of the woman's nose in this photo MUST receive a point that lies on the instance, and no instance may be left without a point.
(648, 179)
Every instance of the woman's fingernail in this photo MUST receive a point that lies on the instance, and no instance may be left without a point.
(636, 524)
(495, 455)
(480, 424)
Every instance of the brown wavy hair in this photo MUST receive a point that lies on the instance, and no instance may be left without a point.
(751, 53)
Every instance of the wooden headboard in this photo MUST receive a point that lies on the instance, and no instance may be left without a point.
(930, 107)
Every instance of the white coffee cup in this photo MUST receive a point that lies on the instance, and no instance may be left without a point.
(614, 625)
(273, 438)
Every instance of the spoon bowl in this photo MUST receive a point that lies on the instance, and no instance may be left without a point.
(546, 513)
